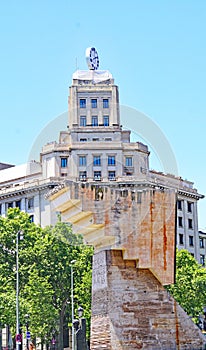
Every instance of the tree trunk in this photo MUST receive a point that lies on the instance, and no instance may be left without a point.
(60, 343)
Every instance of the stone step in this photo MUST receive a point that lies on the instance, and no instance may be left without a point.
(69, 208)
(62, 196)
(80, 220)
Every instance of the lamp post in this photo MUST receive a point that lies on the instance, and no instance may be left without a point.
(19, 236)
(80, 331)
(72, 300)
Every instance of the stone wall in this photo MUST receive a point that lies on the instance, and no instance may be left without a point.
(132, 310)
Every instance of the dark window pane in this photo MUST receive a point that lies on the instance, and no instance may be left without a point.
(63, 162)
(82, 103)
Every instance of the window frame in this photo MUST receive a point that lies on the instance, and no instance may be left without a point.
(128, 161)
(180, 221)
(202, 243)
(111, 160)
(99, 176)
(106, 120)
(179, 204)
(30, 203)
(181, 238)
(64, 162)
(95, 120)
(82, 160)
(191, 241)
(83, 120)
(111, 177)
(105, 103)
(83, 175)
(96, 160)
(190, 224)
(82, 103)
(93, 102)
(189, 207)
(18, 204)
(202, 259)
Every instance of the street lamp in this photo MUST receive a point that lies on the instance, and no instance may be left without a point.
(19, 236)
(80, 331)
(80, 311)
(72, 300)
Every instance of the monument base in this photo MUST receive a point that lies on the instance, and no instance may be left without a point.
(132, 310)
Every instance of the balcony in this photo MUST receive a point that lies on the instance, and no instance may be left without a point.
(97, 178)
(112, 178)
(128, 169)
(83, 178)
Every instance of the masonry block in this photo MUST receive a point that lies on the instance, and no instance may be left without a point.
(132, 310)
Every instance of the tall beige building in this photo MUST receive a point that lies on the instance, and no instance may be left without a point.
(95, 149)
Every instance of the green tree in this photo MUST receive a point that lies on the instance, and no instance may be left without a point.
(45, 257)
(190, 285)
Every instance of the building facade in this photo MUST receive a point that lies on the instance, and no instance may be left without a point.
(96, 150)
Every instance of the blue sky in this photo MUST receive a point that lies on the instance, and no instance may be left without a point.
(155, 50)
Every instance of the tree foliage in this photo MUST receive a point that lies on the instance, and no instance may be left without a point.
(190, 286)
(45, 257)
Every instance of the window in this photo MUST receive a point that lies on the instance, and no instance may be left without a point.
(83, 120)
(190, 224)
(82, 175)
(95, 139)
(181, 240)
(94, 103)
(97, 175)
(31, 218)
(18, 204)
(82, 161)
(10, 205)
(108, 139)
(82, 103)
(189, 207)
(64, 174)
(30, 203)
(83, 140)
(111, 160)
(191, 241)
(96, 160)
(95, 120)
(63, 162)
(180, 223)
(179, 204)
(106, 120)
(111, 175)
(105, 103)
(202, 242)
(128, 161)
(0, 209)
(202, 259)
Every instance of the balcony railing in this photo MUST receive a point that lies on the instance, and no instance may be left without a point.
(97, 178)
(129, 169)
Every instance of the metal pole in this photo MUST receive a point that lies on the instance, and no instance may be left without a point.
(17, 288)
(27, 330)
(72, 300)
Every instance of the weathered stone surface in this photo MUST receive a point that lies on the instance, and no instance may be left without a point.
(143, 226)
(136, 312)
